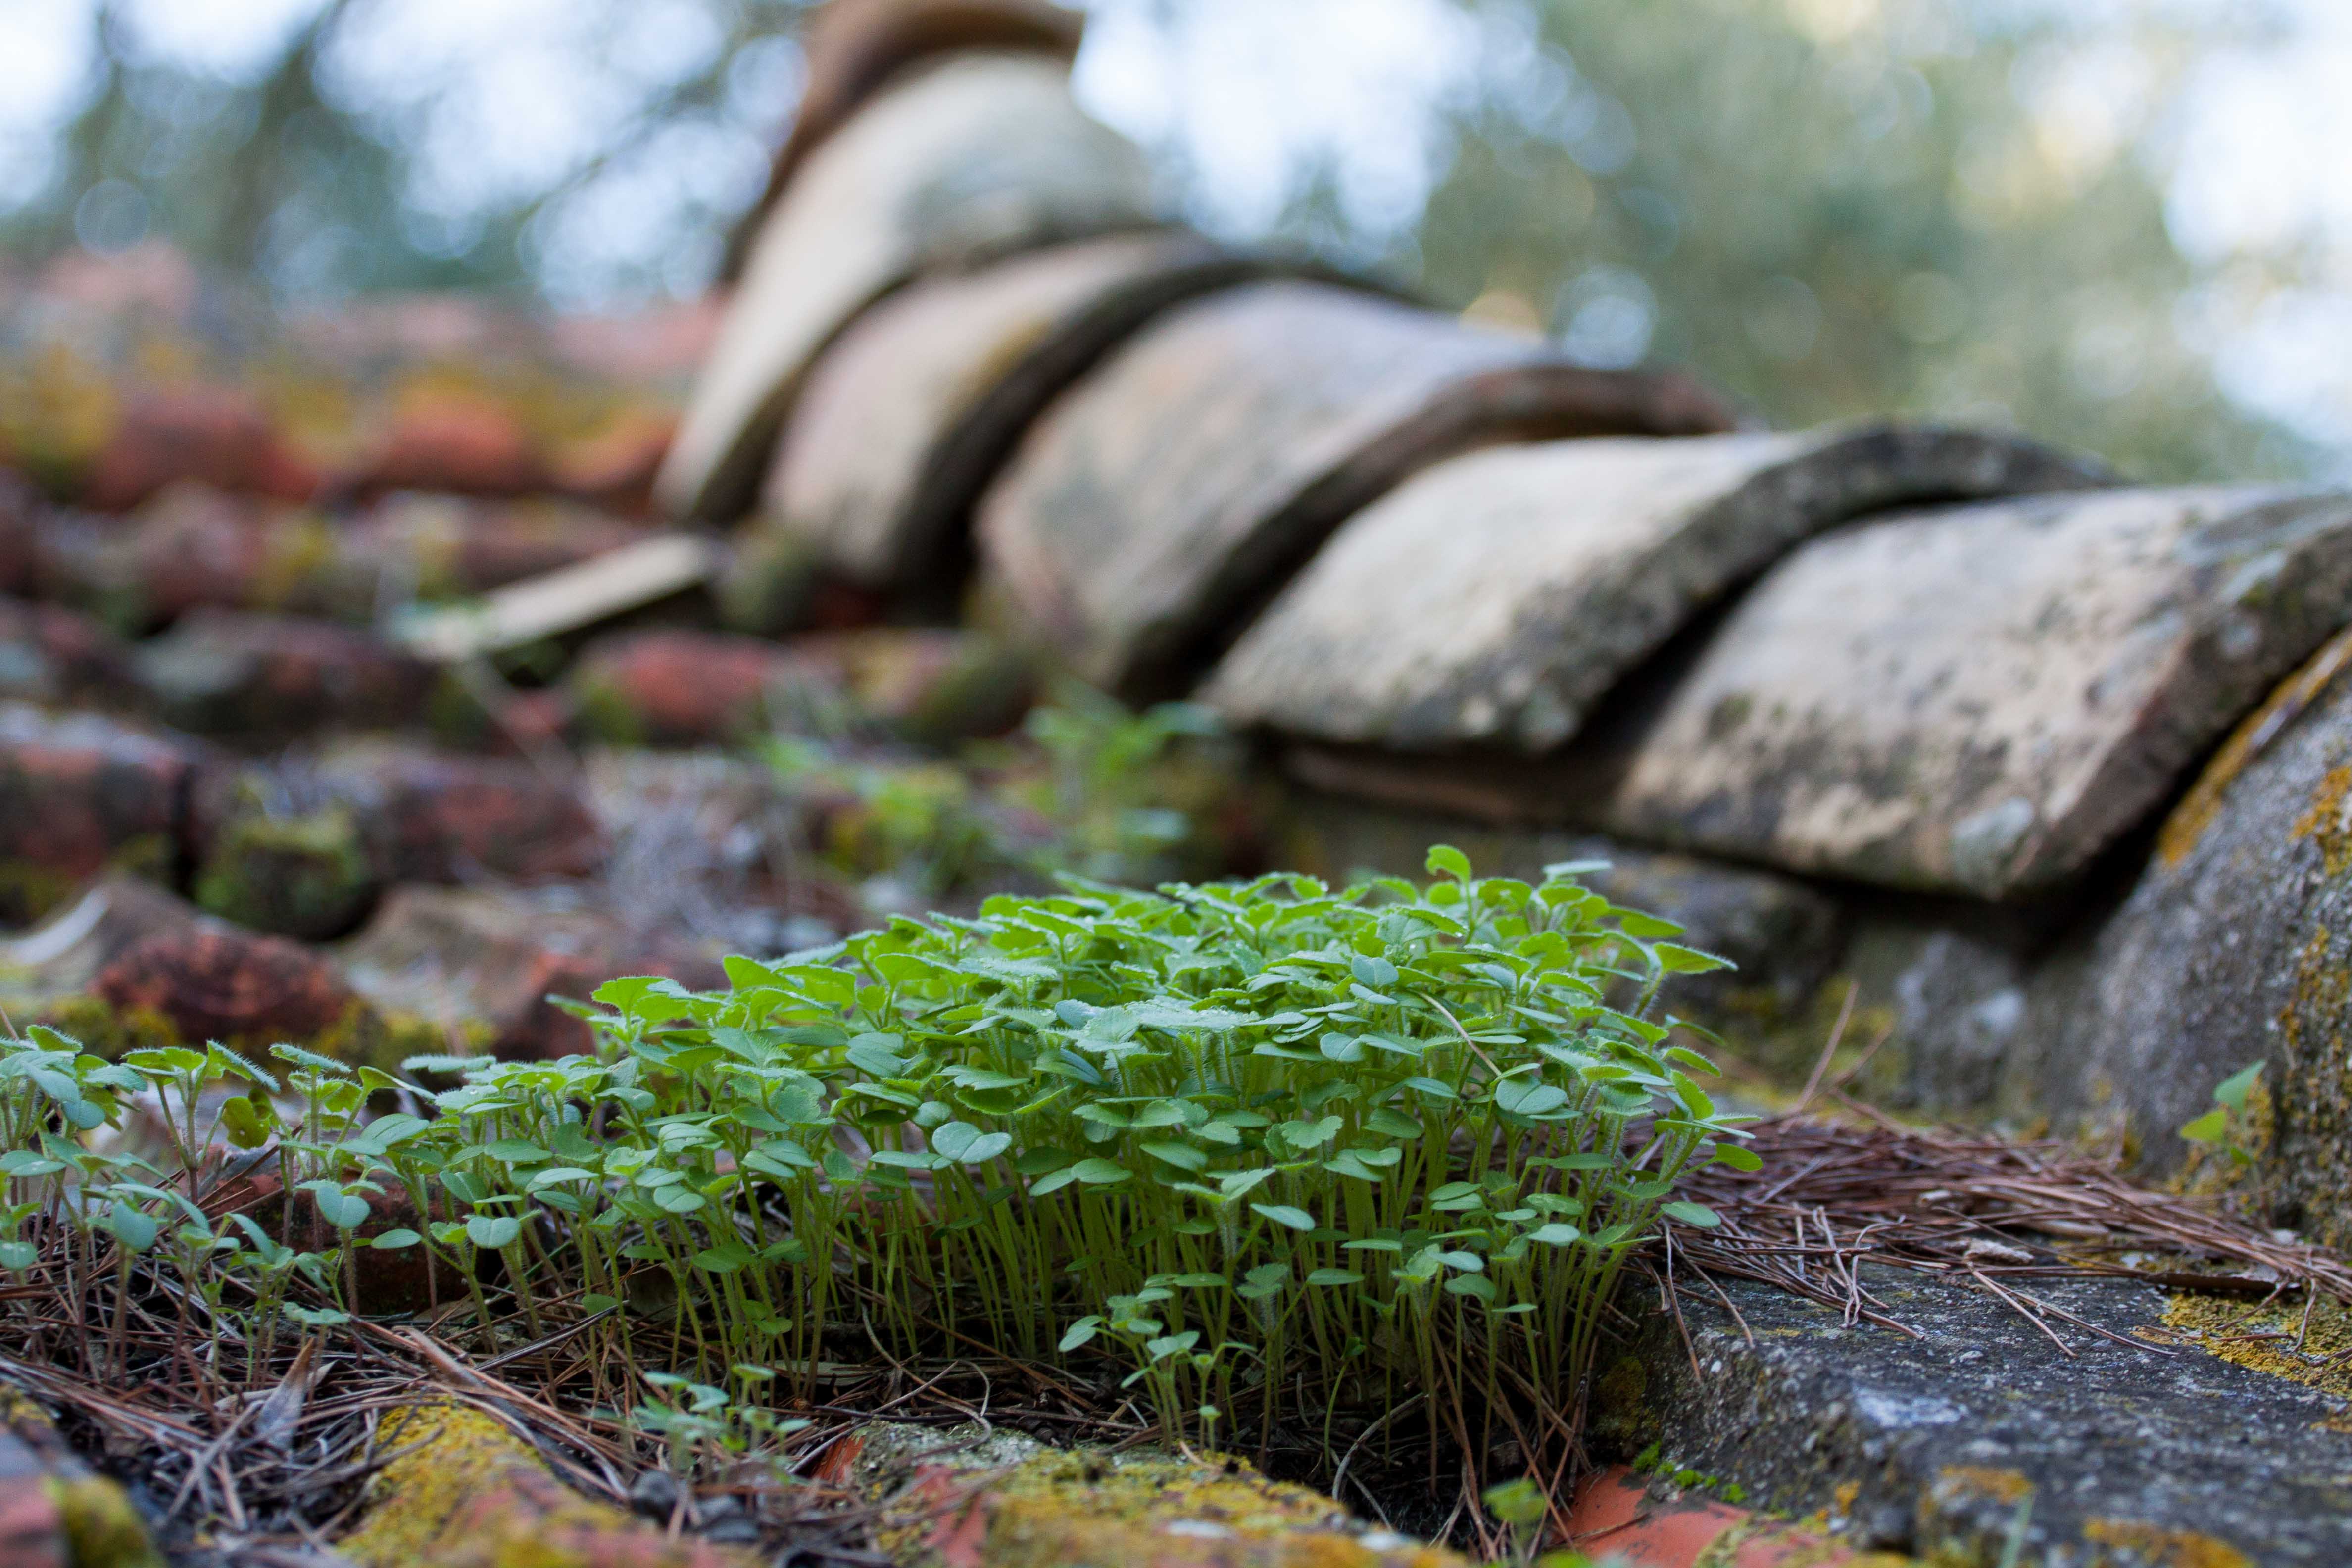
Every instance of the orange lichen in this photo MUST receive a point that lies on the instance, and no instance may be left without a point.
(2202, 803)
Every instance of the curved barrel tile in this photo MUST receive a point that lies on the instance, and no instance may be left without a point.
(1163, 497)
(1980, 699)
(1492, 598)
(906, 418)
(977, 155)
(854, 47)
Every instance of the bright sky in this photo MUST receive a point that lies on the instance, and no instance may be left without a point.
(506, 95)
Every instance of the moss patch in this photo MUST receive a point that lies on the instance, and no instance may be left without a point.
(102, 1529)
(105, 1030)
(2310, 1167)
(361, 1035)
(29, 891)
(305, 877)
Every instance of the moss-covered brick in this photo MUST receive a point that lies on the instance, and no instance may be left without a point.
(464, 1492)
(306, 875)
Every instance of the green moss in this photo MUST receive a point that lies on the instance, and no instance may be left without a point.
(985, 693)
(2308, 1068)
(29, 892)
(602, 712)
(103, 1529)
(104, 1030)
(365, 1037)
(361, 1035)
(305, 877)
(771, 583)
(454, 714)
(1622, 1421)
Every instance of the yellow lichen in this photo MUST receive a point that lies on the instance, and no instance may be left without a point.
(1075, 1509)
(2309, 1069)
(1982, 1480)
(465, 1493)
(2326, 821)
(2264, 1338)
(2151, 1546)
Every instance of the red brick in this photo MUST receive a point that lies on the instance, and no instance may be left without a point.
(32, 1526)
(228, 984)
(229, 672)
(217, 435)
(468, 444)
(51, 654)
(474, 956)
(21, 508)
(684, 689)
(79, 791)
(402, 1279)
(614, 468)
(430, 817)
(191, 545)
(1616, 1518)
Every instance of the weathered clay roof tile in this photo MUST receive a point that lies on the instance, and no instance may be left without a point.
(853, 51)
(979, 154)
(1495, 596)
(908, 417)
(1981, 699)
(1188, 476)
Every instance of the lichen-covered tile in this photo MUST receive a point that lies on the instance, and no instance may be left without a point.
(1980, 699)
(1162, 498)
(980, 153)
(906, 418)
(1495, 597)
(2233, 947)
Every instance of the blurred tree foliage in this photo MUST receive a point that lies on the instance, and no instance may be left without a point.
(1832, 207)
(1837, 208)
(301, 176)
